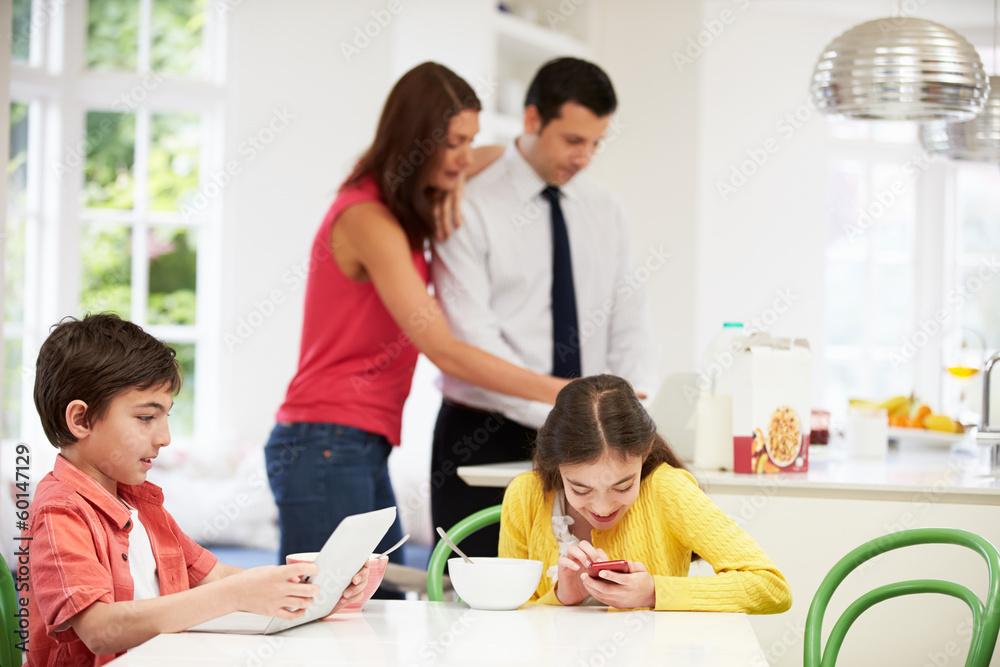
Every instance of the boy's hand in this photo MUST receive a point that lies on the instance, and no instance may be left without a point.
(570, 589)
(273, 590)
(357, 587)
(620, 590)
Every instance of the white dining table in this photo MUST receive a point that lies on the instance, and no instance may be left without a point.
(421, 634)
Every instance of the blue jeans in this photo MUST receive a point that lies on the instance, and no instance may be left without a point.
(321, 473)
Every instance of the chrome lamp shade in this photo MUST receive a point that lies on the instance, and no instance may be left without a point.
(977, 139)
(900, 68)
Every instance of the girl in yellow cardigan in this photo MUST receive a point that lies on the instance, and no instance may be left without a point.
(606, 486)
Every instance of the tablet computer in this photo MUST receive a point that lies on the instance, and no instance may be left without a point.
(345, 551)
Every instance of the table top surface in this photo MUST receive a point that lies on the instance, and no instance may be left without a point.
(398, 632)
(955, 474)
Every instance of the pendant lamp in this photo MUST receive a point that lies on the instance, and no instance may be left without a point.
(977, 139)
(900, 68)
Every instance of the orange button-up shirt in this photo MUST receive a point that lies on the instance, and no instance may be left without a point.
(79, 555)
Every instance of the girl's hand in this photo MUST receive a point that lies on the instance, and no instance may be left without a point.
(620, 590)
(570, 589)
(448, 213)
(274, 590)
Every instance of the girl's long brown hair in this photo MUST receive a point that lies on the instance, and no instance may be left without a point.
(594, 415)
(414, 123)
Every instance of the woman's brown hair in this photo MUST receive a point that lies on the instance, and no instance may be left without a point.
(595, 415)
(413, 124)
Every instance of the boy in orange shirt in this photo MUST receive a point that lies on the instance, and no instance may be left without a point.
(110, 568)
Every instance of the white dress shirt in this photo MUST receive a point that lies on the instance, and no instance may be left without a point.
(493, 278)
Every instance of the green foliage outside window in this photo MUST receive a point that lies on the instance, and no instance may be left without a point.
(182, 414)
(172, 276)
(20, 34)
(112, 34)
(108, 175)
(178, 37)
(173, 160)
(106, 278)
(14, 227)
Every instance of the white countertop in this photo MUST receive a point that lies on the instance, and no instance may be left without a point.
(450, 633)
(955, 474)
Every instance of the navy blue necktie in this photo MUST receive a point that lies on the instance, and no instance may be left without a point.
(565, 328)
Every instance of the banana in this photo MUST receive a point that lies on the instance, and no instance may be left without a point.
(862, 403)
(940, 423)
(897, 405)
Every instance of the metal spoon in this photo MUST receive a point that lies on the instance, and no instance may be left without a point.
(394, 546)
(447, 540)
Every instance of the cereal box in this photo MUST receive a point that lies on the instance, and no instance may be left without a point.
(770, 386)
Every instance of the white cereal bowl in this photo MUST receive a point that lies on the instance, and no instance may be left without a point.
(495, 583)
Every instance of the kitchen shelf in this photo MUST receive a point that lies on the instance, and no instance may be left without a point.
(534, 40)
(499, 127)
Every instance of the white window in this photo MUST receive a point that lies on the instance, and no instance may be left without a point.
(116, 124)
(912, 279)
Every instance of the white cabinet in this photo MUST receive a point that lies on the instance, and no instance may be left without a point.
(496, 51)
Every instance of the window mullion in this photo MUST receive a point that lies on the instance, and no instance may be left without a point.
(143, 58)
(140, 228)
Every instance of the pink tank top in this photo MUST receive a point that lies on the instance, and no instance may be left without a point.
(355, 363)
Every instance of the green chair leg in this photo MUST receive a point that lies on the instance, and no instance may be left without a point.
(457, 533)
(985, 615)
(10, 654)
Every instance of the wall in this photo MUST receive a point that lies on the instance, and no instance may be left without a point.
(762, 178)
(272, 210)
(651, 159)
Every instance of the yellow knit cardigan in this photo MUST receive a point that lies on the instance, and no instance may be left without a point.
(671, 518)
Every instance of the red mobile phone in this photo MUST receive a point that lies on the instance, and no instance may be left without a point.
(613, 565)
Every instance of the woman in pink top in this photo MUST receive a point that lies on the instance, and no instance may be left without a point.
(368, 315)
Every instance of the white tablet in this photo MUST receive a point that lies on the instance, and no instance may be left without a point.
(346, 550)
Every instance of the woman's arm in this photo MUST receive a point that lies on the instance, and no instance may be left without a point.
(484, 156)
(379, 244)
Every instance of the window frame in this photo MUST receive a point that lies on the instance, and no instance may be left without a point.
(60, 93)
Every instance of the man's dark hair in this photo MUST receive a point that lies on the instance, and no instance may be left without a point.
(571, 80)
(94, 360)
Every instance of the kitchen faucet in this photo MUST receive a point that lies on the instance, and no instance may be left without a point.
(989, 436)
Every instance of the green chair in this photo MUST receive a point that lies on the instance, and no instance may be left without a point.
(458, 532)
(9, 638)
(986, 617)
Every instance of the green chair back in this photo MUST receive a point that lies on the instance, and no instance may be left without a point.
(457, 533)
(10, 654)
(985, 617)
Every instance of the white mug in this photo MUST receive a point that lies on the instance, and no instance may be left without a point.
(867, 433)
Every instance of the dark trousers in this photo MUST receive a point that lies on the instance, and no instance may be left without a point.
(465, 436)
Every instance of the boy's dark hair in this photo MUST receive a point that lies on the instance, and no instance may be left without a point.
(571, 80)
(594, 415)
(94, 360)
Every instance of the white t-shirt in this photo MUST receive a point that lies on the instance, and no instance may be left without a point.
(142, 565)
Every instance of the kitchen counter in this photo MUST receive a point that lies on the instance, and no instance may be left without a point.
(806, 521)
(958, 474)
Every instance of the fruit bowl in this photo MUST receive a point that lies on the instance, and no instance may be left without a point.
(922, 437)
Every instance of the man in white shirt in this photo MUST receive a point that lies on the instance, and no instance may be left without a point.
(509, 285)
